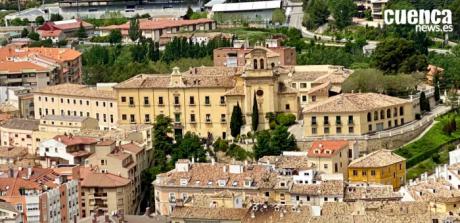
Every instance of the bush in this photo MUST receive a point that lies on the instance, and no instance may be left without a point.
(235, 151)
(436, 158)
(220, 145)
(285, 119)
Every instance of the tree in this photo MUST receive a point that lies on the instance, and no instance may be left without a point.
(285, 119)
(424, 103)
(39, 20)
(343, 11)
(24, 33)
(317, 14)
(161, 140)
(115, 36)
(235, 151)
(189, 13)
(437, 97)
(81, 33)
(455, 7)
(278, 16)
(282, 140)
(34, 36)
(189, 147)
(397, 54)
(262, 146)
(255, 114)
(220, 145)
(134, 32)
(56, 17)
(236, 121)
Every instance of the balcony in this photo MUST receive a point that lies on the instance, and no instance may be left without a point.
(146, 105)
(172, 200)
(223, 121)
(208, 121)
(314, 123)
(351, 122)
(132, 105)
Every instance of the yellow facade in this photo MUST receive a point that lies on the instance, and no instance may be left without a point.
(348, 119)
(203, 102)
(394, 174)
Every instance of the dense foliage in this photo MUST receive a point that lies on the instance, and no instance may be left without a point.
(274, 142)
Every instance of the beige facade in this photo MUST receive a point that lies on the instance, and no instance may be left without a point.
(201, 100)
(356, 114)
(330, 157)
(66, 124)
(77, 100)
(19, 132)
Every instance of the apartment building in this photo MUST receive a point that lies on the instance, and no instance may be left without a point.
(202, 99)
(380, 167)
(10, 154)
(8, 213)
(103, 192)
(356, 114)
(330, 157)
(66, 149)
(66, 124)
(77, 100)
(18, 132)
(41, 195)
(127, 161)
(64, 65)
(154, 28)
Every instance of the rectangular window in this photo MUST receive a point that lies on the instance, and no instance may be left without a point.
(294, 85)
(223, 118)
(326, 120)
(314, 131)
(303, 85)
(370, 128)
(208, 118)
(372, 172)
(222, 100)
(338, 121)
(123, 117)
(192, 100)
(364, 172)
(176, 100)
(402, 121)
(147, 118)
(313, 120)
(288, 107)
(146, 101)
(177, 117)
(304, 98)
(355, 173)
(160, 100)
(350, 119)
(131, 101)
(192, 118)
(207, 100)
(111, 118)
(132, 118)
(351, 129)
(338, 130)
(326, 130)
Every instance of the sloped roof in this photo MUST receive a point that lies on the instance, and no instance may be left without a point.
(326, 148)
(23, 124)
(379, 158)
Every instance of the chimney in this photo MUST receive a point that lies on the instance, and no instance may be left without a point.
(213, 162)
(10, 172)
(147, 212)
(29, 172)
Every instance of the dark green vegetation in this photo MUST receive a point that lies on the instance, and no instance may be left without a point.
(274, 142)
(236, 121)
(440, 139)
(120, 62)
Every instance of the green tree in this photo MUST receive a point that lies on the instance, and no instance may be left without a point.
(134, 31)
(343, 11)
(220, 145)
(396, 54)
(81, 33)
(115, 36)
(262, 146)
(189, 147)
(34, 36)
(424, 103)
(189, 13)
(282, 140)
(455, 7)
(317, 13)
(236, 121)
(24, 33)
(255, 114)
(56, 17)
(278, 16)
(285, 119)
(162, 141)
(39, 20)
(437, 96)
(237, 152)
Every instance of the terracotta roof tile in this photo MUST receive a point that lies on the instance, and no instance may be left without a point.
(23, 124)
(379, 158)
(93, 179)
(75, 140)
(20, 67)
(77, 90)
(327, 148)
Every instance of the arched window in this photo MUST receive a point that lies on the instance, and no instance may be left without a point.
(376, 115)
(388, 113)
(382, 114)
(254, 63)
(262, 64)
(369, 117)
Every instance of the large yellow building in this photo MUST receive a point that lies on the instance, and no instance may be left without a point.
(381, 167)
(356, 114)
(201, 100)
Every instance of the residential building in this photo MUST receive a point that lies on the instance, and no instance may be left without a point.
(53, 65)
(251, 182)
(235, 56)
(202, 99)
(318, 193)
(154, 28)
(127, 160)
(200, 38)
(330, 157)
(376, 7)
(41, 195)
(66, 124)
(10, 154)
(18, 133)
(77, 100)
(8, 213)
(59, 30)
(380, 167)
(370, 193)
(66, 149)
(356, 114)
(103, 192)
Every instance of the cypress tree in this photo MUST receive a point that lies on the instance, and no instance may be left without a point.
(236, 121)
(436, 88)
(255, 114)
(422, 101)
(133, 31)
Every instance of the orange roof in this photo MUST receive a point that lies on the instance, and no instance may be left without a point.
(20, 67)
(53, 33)
(58, 54)
(75, 140)
(131, 147)
(162, 23)
(92, 179)
(11, 186)
(326, 149)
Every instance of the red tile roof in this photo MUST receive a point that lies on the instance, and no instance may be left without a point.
(11, 186)
(326, 149)
(75, 140)
(53, 33)
(90, 178)
(162, 23)
(20, 67)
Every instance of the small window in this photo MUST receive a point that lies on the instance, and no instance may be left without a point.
(176, 100)
(288, 107)
(160, 100)
(207, 100)
(192, 100)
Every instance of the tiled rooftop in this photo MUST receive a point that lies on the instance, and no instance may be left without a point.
(90, 178)
(379, 158)
(327, 148)
(431, 190)
(371, 193)
(332, 188)
(354, 102)
(287, 162)
(70, 140)
(77, 90)
(22, 124)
